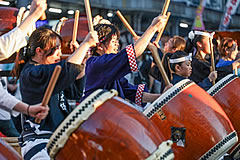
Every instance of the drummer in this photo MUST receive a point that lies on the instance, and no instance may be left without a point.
(107, 67)
(198, 44)
(176, 43)
(10, 43)
(178, 67)
(228, 51)
(35, 70)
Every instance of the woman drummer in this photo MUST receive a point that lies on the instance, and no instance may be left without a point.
(178, 67)
(176, 43)
(35, 69)
(228, 49)
(107, 68)
(198, 43)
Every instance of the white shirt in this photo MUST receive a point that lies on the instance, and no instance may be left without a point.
(11, 41)
(7, 101)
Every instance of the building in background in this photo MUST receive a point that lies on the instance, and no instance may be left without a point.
(139, 13)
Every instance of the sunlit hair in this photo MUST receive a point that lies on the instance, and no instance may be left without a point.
(178, 43)
(105, 33)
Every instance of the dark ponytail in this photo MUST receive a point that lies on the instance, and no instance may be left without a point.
(170, 67)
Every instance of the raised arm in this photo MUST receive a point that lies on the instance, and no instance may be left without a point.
(78, 55)
(157, 24)
(16, 38)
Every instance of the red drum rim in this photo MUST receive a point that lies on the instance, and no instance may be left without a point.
(221, 84)
(76, 118)
(166, 97)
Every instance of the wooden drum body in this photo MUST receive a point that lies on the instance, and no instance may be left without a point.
(65, 28)
(114, 130)
(7, 152)
(227, 93)
(194, 121)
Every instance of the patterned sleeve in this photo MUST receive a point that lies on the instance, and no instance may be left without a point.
(133, 92)
(110, 67)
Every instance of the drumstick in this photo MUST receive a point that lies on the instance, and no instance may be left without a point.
(154, 54)
(75, 26)
(125, 23)
(160, 66)
(161, 31)
(89, 15)
(165, 7)
(212, 57)
(50, 88)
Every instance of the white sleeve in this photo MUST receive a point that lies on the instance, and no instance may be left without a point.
(7, 101)
(11, 41)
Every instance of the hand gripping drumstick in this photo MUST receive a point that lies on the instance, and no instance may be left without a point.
(50, 88)
(161, 31)
(155, 52)
(75, 26)
(89, 15)
(164, 12)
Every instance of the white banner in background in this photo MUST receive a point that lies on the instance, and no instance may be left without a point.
(231, 8)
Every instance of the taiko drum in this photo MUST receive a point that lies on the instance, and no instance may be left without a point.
(114, 130)
(195, 122)
(227, 93)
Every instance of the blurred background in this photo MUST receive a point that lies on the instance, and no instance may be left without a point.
(139, 13)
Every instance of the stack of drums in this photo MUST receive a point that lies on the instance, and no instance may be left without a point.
(194, 121)
(7, 152)
(227, 93)
(11, 17)
(105, 126)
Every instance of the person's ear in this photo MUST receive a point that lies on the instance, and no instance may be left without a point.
(199, 44)
(39, 51)
(177, 68)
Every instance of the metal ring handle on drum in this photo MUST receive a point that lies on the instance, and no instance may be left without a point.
(81, 113)
(163, 152)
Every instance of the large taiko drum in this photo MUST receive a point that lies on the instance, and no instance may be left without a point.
(11, 17)
(7, 152)
(105, 126)
(65, 28)
(227, 93)
(195, 122)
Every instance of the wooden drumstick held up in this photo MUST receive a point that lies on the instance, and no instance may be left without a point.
(154, 54)
(160, 66)
(75, 26)
(125, 23)
(161, 31)
(164, 12)
(165, 7)
(212, 57)
(89, 15)
(50, 88)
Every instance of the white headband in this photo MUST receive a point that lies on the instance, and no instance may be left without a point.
(182, 59)
(192, 34)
